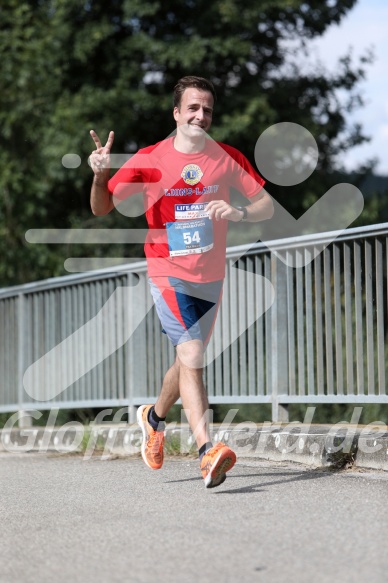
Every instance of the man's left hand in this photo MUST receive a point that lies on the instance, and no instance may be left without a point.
(220, 209)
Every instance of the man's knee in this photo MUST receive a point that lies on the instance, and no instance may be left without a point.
(190, 354)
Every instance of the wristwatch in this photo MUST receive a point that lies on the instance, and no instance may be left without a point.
(244, 212)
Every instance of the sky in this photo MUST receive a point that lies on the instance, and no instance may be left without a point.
(364, 27)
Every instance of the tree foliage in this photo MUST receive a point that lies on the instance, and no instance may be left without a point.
(68, 66)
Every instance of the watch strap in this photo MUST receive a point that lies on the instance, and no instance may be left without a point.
(244, 211)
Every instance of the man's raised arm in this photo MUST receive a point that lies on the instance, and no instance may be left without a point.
(100, 200)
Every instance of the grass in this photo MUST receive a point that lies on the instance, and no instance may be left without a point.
(89, 440)
(173, 446)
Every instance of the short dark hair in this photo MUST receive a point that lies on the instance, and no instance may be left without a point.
(192, 81)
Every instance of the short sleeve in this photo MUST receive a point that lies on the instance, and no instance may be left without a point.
(243, 176)
(133, 176)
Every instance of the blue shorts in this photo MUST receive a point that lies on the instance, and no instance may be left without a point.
(186, 310)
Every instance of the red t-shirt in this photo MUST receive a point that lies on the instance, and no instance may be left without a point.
(182, 242)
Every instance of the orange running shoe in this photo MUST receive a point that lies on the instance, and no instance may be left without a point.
(215, 463)
(153, 441)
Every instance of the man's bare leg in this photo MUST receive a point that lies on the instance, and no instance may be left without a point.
(169, 393)
(216, 460)
(192, 390)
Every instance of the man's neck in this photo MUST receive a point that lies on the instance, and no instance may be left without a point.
(185, 145)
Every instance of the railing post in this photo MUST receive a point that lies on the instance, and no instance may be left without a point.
(279, 324)
(129, 355)
(25, 419)
(137, 360)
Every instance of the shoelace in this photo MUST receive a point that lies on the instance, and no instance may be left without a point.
(206, 467)
(156, 439)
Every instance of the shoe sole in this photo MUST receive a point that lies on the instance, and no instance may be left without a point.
(217, 474)
(139, 415)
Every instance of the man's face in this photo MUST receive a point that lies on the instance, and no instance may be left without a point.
(195, 113)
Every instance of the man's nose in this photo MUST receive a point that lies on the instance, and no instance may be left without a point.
(200, 113)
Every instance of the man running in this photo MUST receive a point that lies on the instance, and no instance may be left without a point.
(185, 180)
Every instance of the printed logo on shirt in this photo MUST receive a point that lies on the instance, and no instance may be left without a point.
(192, 174)
(190, 211)
(197, 191)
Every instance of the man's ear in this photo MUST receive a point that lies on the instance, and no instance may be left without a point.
(175, 113)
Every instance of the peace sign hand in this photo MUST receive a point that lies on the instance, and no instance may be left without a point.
(99, 160)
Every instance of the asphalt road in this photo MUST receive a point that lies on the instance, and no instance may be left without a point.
(65, 519)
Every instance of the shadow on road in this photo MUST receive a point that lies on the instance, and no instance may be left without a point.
(295, 477)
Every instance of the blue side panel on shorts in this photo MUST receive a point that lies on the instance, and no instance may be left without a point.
(197, 304)
(191, 308)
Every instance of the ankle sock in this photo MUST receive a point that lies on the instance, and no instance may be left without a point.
(157, 423)
(204, 448)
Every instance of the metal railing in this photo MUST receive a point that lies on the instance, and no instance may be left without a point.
(94, 340)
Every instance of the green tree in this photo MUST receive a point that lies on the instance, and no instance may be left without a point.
(66, 67)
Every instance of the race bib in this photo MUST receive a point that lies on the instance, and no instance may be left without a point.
(188, 237)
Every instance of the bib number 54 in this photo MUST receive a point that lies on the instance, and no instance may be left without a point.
(189, 237)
